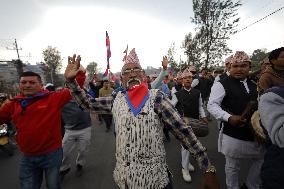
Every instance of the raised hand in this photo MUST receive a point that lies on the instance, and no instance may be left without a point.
(165, 62)
(73, 67)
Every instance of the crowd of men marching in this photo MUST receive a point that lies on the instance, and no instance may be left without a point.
(143, 111)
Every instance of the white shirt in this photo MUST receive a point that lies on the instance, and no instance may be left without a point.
(174, 101)
(195, 82)
(217, 78)
(215, 99)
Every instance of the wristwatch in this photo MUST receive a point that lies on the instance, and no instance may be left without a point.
(211, 169)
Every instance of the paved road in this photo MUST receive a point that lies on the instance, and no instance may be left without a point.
(101, 162)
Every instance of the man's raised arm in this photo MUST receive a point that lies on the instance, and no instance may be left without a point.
(99, 105)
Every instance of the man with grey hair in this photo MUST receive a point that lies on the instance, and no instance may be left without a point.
(137, 112)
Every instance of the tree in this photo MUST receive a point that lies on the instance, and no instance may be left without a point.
(52, 64)
(215, 22)
(257, 56)
(192, 50)
(92, 69)
(19, 66)
(172, 63)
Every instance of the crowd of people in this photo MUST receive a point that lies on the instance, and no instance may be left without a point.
(143, 111)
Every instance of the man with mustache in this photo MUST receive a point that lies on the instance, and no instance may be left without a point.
(137, 112)
(231, 102)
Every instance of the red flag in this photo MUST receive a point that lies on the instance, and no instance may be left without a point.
(106, 73)
(113, 77)
(108, 49)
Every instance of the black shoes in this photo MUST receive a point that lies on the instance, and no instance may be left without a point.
(244, 186)
(79, 170)
(63, 173)
(78, 173)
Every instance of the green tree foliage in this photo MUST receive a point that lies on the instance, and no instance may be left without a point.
(19, 66)
(52, 65)
(257, 56)
(215, 22)
(172, 63)
(92, 69)
(192, 50)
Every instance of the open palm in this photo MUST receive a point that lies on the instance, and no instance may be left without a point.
(73, 67)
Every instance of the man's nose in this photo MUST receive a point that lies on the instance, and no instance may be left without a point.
(132, 74)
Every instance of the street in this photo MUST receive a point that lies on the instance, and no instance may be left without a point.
(101, 161)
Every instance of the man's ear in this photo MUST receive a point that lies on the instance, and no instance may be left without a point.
(273, 61)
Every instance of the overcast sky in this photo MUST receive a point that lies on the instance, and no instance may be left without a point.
(151, 26)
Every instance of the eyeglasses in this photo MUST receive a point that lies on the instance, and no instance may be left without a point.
(30, 82)
(134, 70)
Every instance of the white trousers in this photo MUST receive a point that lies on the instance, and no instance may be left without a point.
(185, 155)
(75, 138)
(232, 168)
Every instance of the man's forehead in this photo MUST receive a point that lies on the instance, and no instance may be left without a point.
(281, 55)
(29, 78)
(240, 63)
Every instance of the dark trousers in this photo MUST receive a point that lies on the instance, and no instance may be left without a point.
(272, 171)
(108, 120)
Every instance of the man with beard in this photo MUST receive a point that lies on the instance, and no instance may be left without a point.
(137, 111)
(232, 101)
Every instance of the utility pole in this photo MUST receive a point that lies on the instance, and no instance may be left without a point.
(16, 48)
(16, 45)
(18, 63)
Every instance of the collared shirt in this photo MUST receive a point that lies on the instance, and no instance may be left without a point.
(216, 97)
(217, 78)
(163, 108)
(174, 101)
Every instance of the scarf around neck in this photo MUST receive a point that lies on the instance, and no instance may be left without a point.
(136, 97)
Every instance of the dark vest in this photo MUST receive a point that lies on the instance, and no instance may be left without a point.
(235, 102)
(188, 103)
(178, 87)
(223, 76)
(205, 87)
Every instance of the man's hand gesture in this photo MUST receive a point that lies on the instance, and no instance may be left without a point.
(165, 62)
(72, 68)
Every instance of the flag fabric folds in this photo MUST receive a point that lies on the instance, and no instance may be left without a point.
(108, 49)
(105, 75)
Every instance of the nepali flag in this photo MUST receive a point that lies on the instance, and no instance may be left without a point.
(112, 76)
(105, 75)
(108, 49)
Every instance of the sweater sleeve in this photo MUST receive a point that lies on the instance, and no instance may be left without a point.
(271, 109)
(62, 97)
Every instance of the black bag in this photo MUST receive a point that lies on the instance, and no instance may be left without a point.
(200, 128)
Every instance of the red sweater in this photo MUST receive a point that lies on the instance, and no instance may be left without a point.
(39, 126)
